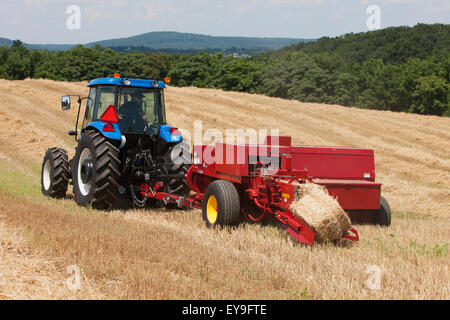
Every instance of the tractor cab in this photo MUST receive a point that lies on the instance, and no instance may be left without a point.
(123, 142)
(123, 106)
(138, 105)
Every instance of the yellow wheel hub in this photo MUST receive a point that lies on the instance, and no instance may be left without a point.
(211, 209)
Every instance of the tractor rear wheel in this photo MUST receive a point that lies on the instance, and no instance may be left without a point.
(95, 171)
(384, 218)
(221, 204)
(55, 173)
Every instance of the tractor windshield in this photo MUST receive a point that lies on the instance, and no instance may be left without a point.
(139, 108)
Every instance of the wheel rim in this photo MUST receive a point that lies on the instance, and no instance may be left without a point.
(46, 175)
(211, 209)
(85, 157)
(87, 169)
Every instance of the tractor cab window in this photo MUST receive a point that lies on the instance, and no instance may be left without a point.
(105, 97)
(140, 108)
(89, 114)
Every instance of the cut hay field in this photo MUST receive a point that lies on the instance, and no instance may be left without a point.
(159, 254)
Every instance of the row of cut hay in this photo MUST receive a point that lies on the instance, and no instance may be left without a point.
(321, 211)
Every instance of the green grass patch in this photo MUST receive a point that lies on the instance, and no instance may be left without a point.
(12, 180)
(392, 246)
(411, 216)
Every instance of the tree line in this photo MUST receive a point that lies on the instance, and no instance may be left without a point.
(326, 71)
(80, 63)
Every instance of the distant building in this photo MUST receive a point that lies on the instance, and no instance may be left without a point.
(243, 55)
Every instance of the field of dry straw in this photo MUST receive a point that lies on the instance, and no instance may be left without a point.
(159, 254)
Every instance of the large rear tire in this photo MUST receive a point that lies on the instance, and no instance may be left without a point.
(221, 204)
(384, 218)
(96, 171)
(55, 173)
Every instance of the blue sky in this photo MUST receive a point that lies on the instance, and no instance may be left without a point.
(44, 21)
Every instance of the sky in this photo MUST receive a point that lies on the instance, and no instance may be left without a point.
(49, 21)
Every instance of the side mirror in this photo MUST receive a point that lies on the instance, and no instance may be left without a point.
(65, 103)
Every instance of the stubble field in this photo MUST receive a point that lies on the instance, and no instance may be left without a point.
(160, 254)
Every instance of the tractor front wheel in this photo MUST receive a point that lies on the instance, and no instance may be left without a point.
(55, 173)
(221, 204)
(96, 171)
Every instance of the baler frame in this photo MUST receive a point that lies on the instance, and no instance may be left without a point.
(270, 190)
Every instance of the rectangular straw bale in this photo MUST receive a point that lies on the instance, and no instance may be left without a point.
(324, 224)
(332, 205)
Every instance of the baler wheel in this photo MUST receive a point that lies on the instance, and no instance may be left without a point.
(95, 171)
(384, 218)
(55, 173)
(221, 204)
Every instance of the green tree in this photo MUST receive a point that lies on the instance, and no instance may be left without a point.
(18, 64)
(345, 89)
(237, 75)
(431, 96)
(297, 76)
(196, 70)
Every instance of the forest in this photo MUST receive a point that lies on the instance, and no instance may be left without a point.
(398, 69)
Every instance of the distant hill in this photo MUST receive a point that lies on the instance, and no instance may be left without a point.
(393, 45)
(51, 47)
(177, 42)
(5, 42)
(187, 41)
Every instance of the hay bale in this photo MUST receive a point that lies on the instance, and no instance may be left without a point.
(322, 196)
(322, 212)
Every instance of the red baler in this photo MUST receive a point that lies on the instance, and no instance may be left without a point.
(233, 182)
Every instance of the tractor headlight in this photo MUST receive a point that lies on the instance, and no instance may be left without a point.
(127, 82)
(155, 84)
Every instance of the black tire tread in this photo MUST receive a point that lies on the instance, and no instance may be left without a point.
(384, 213)
(61, 172)
(107, 167)
(228, 201)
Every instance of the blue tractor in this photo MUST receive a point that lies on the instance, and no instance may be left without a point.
(123, 142)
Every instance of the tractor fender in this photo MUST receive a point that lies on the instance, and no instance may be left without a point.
(99, 126)
(166, 135)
